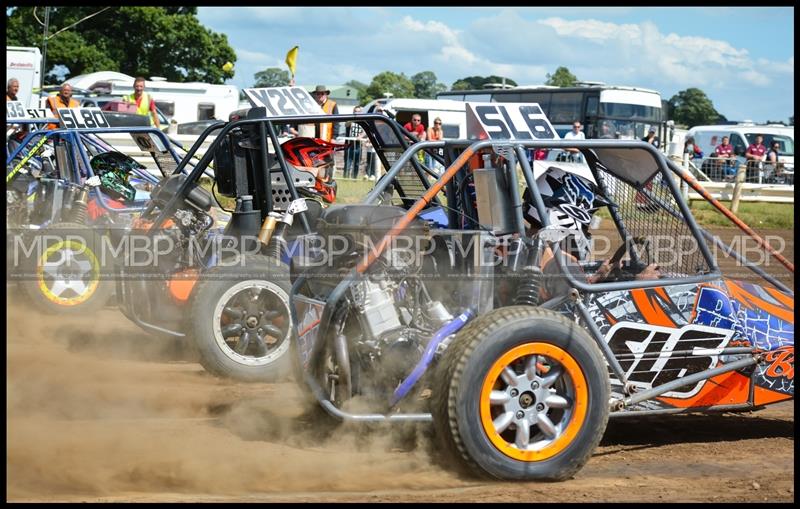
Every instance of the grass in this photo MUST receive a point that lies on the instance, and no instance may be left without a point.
(757, 215)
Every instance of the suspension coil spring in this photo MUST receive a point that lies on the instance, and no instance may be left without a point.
(528, 289)
(80, 212)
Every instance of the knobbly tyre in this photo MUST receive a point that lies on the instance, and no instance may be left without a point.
(228, 287)
(64, 188)
(477, 305)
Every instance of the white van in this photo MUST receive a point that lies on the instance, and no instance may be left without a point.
(452, 113)
(708, 137)
(25, 64)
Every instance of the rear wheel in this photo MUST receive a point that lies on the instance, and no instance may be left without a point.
(65, 273)
(241, 322)
(524, 395)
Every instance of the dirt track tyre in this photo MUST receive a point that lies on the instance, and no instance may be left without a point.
(524, 396)
(64, 275)
(240, 320)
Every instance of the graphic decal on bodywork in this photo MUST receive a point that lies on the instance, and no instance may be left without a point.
(653, 355)
(639, 324)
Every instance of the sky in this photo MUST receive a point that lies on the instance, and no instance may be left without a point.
(741, 57)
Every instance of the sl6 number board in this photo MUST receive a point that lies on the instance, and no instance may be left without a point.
(508, 121)
(82, 118)
(283, 101)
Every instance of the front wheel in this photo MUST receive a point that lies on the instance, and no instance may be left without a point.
(524, 395)
(241, 322)
(66, 273)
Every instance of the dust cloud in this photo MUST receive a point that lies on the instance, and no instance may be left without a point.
(96, 407)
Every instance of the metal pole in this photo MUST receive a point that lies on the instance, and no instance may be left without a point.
(44, 48)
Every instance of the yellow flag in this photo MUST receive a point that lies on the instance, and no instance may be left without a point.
(291, 59)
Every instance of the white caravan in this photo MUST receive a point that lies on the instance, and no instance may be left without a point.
(25, 64)
(181, 102)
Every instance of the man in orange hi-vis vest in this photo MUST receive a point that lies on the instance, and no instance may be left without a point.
(62, 100)
(325, 131)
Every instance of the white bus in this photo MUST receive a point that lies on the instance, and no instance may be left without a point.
(621, 112)
(181, 102)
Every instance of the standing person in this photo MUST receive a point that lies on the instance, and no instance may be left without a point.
(321, 95)
(772, 159)
(62, 100)
(724, 151)
(145, 105)
(605, 132)
(12, 88)
(435, 133)
(575, 134)
(651, 137)
(756, 151)
(352, 154)
(372, 156)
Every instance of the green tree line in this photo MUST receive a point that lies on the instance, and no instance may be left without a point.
(134, 40)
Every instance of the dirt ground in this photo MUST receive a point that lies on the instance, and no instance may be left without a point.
(98, 410)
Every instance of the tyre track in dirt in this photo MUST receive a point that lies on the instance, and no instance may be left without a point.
(98, 410)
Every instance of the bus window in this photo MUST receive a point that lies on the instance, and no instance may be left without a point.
(591, 106)
(479, 98)
(507, 98)
(450, 131)
(205, 111)
(542, 98)
(565, 107)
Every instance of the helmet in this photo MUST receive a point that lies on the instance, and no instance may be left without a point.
(570, 202)
(315, 156)
(113, 169)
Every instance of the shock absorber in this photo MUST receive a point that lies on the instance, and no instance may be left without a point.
(80, 206)
(528, 289)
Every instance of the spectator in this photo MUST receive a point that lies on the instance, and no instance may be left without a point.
(651, 137)
(352, 154)
(17, 131)
(12, 88)
(372, 156)
(145, 105)
(756, 151)
(605, 132)
(325, 131)
(772, 158)
(416, 127)
(62, 100)
(435, 133)
(724, 151)
(691, 148)
(575, 134)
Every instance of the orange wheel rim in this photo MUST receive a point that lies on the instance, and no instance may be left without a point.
(533, 401)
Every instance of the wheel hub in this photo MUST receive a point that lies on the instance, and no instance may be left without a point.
(251, 322)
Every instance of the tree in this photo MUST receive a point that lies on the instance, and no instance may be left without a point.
(146, 41)
(426, 86)
(561, 78)
(361, 88)
(692, 107)
(271, 77)
(398, 85)
(477, 82)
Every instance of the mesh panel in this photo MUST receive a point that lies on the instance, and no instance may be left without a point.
(670, 242)
(408, 180)
(166, 163)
